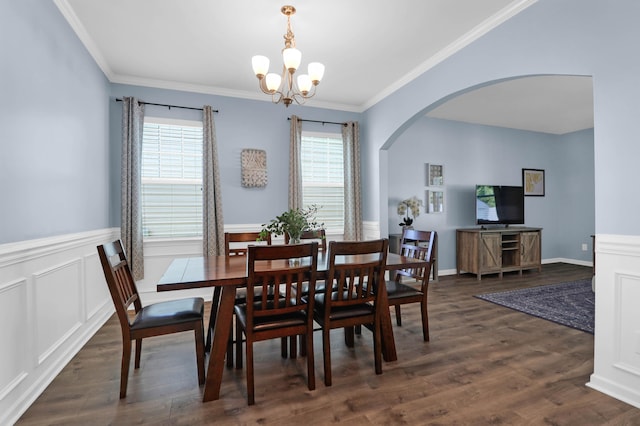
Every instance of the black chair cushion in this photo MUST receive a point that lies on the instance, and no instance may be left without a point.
(269, 322)
(399, 290)
(241, 295)
(339, 312)
(171, 312)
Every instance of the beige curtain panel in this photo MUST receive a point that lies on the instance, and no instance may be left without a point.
(131, 210)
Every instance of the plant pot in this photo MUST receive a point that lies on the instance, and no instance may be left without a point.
(294, 238)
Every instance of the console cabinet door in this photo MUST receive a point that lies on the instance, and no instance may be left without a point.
(530, 249)
(491, 251)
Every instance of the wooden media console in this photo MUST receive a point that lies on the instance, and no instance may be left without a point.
(498, 250)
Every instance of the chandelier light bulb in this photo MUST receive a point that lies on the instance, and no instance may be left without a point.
(273, 82)
(260, 65)
(304, 84)
(292, 58)
(316, 72)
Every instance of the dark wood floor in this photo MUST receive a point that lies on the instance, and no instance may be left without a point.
(485, 364)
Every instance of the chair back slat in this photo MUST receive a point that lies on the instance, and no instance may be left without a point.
(319, 235)
(419, 245)
(125, 286)
(416, 252)
(232, 240)
(355, 281)
(291, 269)
(120, 281)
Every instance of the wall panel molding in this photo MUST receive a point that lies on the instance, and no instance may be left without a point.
(616, 370)
(627, 323)
(13, 365)
(56, 285)
(23, 251)
(55, 322)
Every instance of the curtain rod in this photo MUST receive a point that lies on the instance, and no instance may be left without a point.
(318, 121)
(167, 105)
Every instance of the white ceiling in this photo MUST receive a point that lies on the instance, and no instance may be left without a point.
(550, 104)
(369, 47)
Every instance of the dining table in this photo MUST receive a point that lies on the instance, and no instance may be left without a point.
(230, 273)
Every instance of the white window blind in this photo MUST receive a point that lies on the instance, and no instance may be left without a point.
(323, 178)
(171, 179)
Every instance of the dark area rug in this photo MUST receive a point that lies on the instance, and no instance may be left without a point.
(571, 303)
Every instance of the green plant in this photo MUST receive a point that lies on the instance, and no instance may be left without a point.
(292, 222)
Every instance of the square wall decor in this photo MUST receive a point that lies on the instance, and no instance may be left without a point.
(435, 174)
(435, 201)
(254, 168)
(533, 182)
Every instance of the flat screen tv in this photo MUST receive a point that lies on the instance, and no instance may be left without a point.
(499, 205)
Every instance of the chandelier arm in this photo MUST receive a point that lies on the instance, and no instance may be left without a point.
(277, 97)
(263, 86)
(301, 99)
(311, 92)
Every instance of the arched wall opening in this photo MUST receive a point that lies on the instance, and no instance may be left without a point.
(580, 37)
(473, 153)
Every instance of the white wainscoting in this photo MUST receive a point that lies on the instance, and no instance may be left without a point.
(616, 369)
(53, 298)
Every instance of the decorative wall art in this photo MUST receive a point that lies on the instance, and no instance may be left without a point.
(435, 191)
(435, 201)
(533, 182)
(435, 174)
(254, 168)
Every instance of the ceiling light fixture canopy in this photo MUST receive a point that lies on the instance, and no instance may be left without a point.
(283, 88)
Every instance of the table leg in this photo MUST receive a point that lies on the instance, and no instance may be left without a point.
(224, 318)
(388, 342)
(215, 301)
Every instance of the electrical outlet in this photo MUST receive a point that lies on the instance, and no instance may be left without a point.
(584, 247)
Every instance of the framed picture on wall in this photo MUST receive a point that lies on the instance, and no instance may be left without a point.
(254, 168)
(435, 201)
(435, 174)
(533, 182)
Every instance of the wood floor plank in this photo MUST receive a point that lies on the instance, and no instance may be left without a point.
(485, 364)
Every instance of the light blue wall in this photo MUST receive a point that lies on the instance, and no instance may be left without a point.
(573, 203)
(574, 37)
(239, 124)
(59, 171)
(54, 163)
(474, 154)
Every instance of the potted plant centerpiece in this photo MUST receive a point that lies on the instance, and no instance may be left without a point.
(293, 222)
(407, 208)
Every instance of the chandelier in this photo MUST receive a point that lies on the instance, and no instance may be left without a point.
(282, 88)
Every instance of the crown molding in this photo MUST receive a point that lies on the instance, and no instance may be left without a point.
(505, 14)
(83, 35)
(468, 38)
(219, 91)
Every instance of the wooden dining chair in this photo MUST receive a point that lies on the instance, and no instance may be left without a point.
(281, 310)
(235, 244)
(351, 297)
(419, 245)
(152, 320)
(319, 235)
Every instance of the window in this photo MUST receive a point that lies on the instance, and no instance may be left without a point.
(171, 178)
(323, 178)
